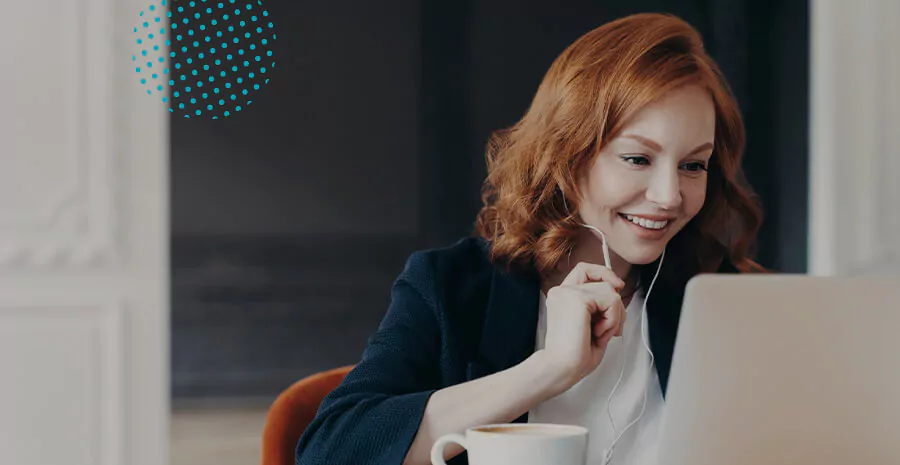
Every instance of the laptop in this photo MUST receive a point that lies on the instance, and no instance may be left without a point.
(785, 370)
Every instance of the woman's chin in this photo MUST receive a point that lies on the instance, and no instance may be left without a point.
(643, 256)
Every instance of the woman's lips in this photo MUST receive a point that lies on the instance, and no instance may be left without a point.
(646, 232)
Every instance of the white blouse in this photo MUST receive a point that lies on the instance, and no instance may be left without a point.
(584, 404)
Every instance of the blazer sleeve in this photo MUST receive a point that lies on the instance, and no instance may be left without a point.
(374, 415)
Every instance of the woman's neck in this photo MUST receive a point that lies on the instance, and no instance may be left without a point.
(589, 249)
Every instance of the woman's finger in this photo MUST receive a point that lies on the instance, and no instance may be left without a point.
(602, 298)
(585, 272)
(603, 340)
(602, 326)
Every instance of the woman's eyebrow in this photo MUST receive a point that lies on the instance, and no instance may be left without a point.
(655, 146)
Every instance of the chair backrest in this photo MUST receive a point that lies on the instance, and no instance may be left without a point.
(293, 411)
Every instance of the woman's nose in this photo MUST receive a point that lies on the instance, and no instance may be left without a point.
(665, 189)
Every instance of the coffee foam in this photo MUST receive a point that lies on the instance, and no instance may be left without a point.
(524, 430)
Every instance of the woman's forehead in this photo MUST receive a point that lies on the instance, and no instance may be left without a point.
(685, 117)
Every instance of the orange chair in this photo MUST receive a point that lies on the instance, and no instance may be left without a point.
(293, 411)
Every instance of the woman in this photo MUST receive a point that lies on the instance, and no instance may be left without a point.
(633, 145)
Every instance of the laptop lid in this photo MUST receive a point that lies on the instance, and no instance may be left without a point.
(785, 369)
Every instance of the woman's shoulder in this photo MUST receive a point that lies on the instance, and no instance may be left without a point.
(467, 256)
(455, 269)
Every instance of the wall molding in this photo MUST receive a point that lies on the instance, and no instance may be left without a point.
(107, 320)
(69, 216)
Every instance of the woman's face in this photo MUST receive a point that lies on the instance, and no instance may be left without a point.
(648, 182)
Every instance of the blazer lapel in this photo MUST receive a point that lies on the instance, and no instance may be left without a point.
(510, 323)
(663, 318)
(663, 315)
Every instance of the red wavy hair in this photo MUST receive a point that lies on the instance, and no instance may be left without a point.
(585, 99)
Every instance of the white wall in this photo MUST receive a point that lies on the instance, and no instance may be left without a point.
(83, 240)
(855, 137)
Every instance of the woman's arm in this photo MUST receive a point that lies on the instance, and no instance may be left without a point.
(373, 416)
(575, 344)
(388, 410)
(498, 398)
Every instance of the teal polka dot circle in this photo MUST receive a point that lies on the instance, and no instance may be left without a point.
(181, 43)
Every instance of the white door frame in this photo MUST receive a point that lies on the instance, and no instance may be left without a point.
(84, 231)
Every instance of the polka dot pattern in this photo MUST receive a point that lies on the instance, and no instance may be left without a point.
(217, 46)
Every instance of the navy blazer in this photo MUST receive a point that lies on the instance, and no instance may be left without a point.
(453, 317)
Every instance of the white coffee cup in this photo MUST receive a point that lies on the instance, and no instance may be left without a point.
(518, 444)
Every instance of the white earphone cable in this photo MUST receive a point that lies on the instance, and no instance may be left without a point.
(608, 453)
(612, 447)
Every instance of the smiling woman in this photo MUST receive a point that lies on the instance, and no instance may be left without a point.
(644, 143)
(631, 146)
(648, 183)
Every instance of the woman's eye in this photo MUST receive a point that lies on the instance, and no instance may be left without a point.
(695, 167)
(636, 160)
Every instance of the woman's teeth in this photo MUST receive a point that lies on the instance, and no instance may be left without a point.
(649, 224)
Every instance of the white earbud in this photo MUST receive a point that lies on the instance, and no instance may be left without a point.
(608, 453)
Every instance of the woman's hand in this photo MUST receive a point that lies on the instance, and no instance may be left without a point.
(583, 313)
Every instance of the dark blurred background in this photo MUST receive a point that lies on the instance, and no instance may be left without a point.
(291, 220)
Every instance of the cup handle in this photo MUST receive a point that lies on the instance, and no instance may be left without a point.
(437, 451)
